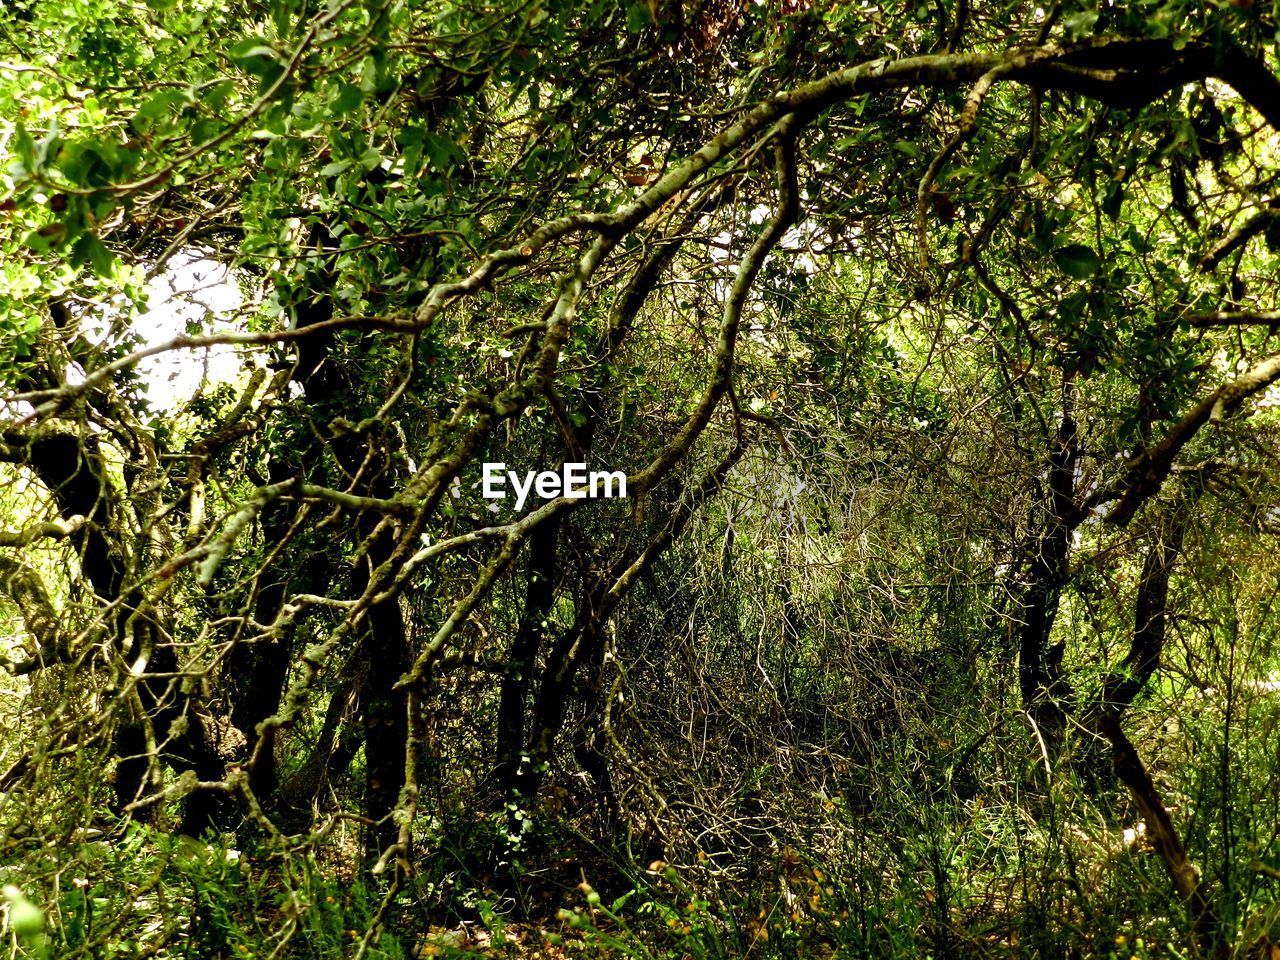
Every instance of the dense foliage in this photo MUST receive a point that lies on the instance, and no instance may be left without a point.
(935, 341)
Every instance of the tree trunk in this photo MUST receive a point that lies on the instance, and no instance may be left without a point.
(1160, 829)
(1040, 681)
(518, 676)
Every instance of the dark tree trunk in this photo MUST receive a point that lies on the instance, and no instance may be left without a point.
(519, 673)
(1121, 688)
(336, 746)
(1151, 619)
(567, 655)
(1040, 681)
(385, 709)
(257, 671)
(1164, 836)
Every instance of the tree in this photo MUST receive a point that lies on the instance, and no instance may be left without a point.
(995, 286)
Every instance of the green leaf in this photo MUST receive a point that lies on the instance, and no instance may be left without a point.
(252, 47)
(908, 149)
(159, 104)
(1113, 200)
(369, 75)
(345, 99)
(255, 57)
(1077, 261)
(638, 17)
(441, 151)
(1077, 25)
(92, 250)
(44, 239)
(213, 96)
(24, 146)
(26, 920)
(281, 11)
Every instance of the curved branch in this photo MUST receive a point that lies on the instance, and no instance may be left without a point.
(1235, 318)
(1147, 471)
(1256, 224)
(722, 366)
(968, 126)
(53, 529)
